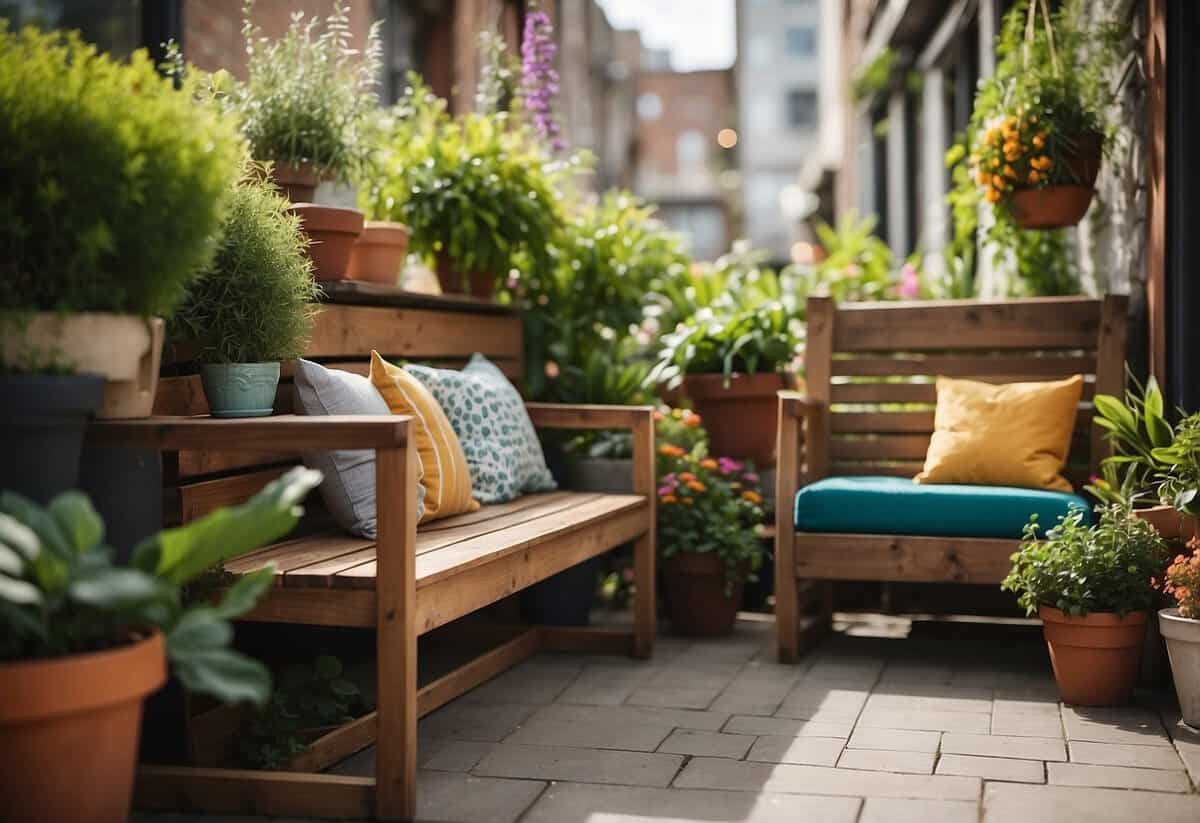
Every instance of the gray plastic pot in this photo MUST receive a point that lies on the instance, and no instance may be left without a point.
(1183, 646)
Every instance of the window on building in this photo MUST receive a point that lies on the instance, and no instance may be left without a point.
(801, 41)
(691, 150)
(649, 106)
(802, 108)
(114, 27)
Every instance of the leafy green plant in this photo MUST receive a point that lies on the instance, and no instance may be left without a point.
(1179, 466)
(306, 699)
(255, 302)
(115, 181)
(476, 188)
(875, 76)
(710, 505)
(309, 96)
(589, 303)
(1026, 120)
(1137, 429)
(1079, 569)
(61, 592)
(857, 265)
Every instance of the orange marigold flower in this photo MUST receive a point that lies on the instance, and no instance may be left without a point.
(1034, 177)
(687, 501)
(692, 420)
(995, 162)
(1010, 172)
(670, 450)
(708, 463)
(753, 497)
(687, 477)
(1039, 140)
(697, 486)
(982, 177)
(998, 182)
(659, 417)
(668, 499)
(993, 195)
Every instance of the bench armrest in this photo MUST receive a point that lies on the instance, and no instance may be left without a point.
(584, 416)
(276, 433)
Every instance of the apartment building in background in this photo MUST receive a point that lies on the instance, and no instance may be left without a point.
(777, 86)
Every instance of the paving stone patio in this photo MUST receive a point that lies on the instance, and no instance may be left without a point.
(944, 722)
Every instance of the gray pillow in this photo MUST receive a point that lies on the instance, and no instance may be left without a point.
(349, 485)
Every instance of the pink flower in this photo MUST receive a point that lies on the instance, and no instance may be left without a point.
(910, 282)
(727, 465)
(663, 491)
(750, 477)
(853, 270)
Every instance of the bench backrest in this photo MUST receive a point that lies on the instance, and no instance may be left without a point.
(359, 318)
(874, 365)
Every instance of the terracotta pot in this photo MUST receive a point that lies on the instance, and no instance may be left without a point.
(1170, 524)
(1056, 207)
(1183, 646)
(1095, 658)
(69, 732)
(122, 348)
(696, 595)
(331, 232)
(477, 283)
(297, 181)
(740, 420)
(378, 254)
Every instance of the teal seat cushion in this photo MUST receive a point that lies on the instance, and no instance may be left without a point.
(897, 505)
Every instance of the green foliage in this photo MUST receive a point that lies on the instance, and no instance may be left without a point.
(256, 300)
(1038, 104)
(739, 319)
(581, 313)
(710, 505)
(62, 594)
(1138, 429)
(1076, 569)
(477, 187)
(309, 96)
(857, 265)
(875, 77)
(1179, 466)
(308, 697)
(114, 179)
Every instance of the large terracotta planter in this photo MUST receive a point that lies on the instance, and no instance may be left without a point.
(1170, 524)
(1095, 658)
(1183, 647)
(740, 420)
(331, 233)
(378, 254)
(476, 283)
(1056, 207)
(123, 348)
(69, 732)
(699, 604)
(296, 181)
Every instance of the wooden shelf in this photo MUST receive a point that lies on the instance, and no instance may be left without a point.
(362, 293)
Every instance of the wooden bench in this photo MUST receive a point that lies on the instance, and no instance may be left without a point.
(869, 411)
(406, 583)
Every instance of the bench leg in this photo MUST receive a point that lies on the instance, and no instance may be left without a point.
(645, 596)
(396, 635)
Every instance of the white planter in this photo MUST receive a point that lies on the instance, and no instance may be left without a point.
(1183, 647)
(123, 348)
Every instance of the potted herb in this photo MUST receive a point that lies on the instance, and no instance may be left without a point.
(709, 518)
(1092, 587)
(1038, 123)
(114, 182)
(252, 306)
(85, 641)
(476, 193)
(308, 99)
(729, 357)
(1181, 628)
(1179, 476)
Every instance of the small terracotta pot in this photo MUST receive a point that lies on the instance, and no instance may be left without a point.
(331, 232)
(477, 283)
(1056, 207)
(1170, 524)
(124, 349)
(69, 732)
(297, 181)
(1095, 658)
(740, 420)
(378, 254)
(697, 597)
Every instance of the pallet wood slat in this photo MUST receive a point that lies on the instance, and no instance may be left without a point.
(244, 791)
(903, 558)
(908, 422)
(924, 393)
(343, 330)
(1011, 369)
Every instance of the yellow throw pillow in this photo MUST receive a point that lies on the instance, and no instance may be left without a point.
(1014, 434)
(446, 479)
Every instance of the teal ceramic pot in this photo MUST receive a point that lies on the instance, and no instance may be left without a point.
(240, 389)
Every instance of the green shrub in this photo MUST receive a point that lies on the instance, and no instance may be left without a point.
(256, 301)
(1076, 569)
(309, 96)
(477, 187)
(114, 180)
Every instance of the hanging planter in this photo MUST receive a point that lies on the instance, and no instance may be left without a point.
(1057, 206)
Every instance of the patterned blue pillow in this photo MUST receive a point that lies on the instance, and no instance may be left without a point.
(488, 415)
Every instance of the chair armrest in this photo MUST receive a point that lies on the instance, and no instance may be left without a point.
(795, 404)
(276, 433)
(584, 416)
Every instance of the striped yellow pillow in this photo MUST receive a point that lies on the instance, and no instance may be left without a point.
(447, 480)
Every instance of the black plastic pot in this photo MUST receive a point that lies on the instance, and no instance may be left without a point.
(564, 599)
(42, 419)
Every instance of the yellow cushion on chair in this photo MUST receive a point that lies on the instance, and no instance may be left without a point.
(1014, 434)
(446, 479)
